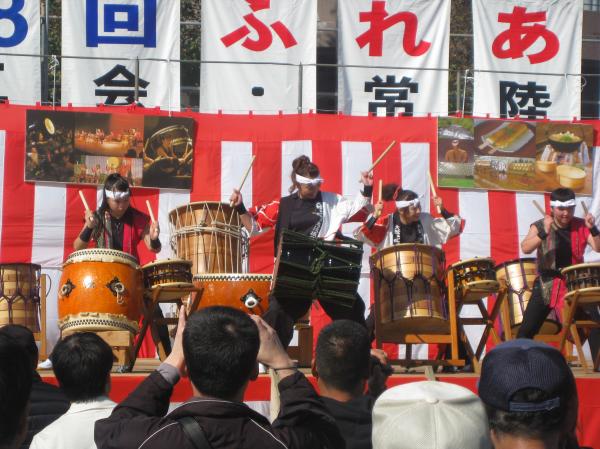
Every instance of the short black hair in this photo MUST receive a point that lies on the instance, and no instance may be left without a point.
(343, 355)
(220, 346)
(562, 194)
(82, 363)
(25, 338)
(15, 388)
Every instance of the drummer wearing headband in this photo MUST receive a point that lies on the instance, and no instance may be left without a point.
(312, 212)
(117, 225)
(408, 224)
(560, 240)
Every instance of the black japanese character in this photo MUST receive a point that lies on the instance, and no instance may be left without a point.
(391, 94)
(124, 87)
(514, 98)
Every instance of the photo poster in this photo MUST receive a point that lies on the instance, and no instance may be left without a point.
(522, 156)
(85, 147)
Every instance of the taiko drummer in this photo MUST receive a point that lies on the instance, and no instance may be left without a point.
(116, 224)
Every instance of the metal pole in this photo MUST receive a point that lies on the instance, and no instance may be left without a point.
(136, 94)
(45, 47)
(300, 87)
(464, 91)
(457, 90)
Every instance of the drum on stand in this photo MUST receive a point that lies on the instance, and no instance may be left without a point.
(584, 280)
(474, 278)
(170, 273)
(100, 289)
(20, 295)
(248, 292)
(517, 277)
(208, 234)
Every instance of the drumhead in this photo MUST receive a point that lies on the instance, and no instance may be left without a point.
(166, 262)
(532, 260)
(473, 260)
(412, 247)
(102, 255)
(580, 266)
(226, 277)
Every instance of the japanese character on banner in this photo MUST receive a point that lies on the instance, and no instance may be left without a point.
(519, 37)
(391, 95)
(117, 23)
(529, 100)
(264, 31)
(120, 83)
(380, 20)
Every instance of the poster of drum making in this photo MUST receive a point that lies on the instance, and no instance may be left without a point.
(513, 155)
(84, 148)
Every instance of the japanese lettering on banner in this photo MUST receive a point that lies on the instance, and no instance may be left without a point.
(540, 38)
(125, 29)
(20, 34)
(241, 39)
(410, 35)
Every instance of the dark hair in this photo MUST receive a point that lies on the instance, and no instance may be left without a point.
(342, 355)
(220, 346)
(25, 338)
(304, 167)
(393, 192)
(114, 182)
(562, 194)
(15, 388)
(82, 363)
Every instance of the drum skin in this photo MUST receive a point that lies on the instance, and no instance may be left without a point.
(230, 289)
(168, 273)
(20, 295)
(100, 289)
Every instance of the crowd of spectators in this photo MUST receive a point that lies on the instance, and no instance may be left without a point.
(526, 395)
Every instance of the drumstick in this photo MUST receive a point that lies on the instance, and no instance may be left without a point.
(380, 193)
(150, 211)
(538, 207)
(378, 160)
(433, 192)
(244, 178)
(585, 209)
(85, 204)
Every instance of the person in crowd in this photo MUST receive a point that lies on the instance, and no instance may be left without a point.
(81, 364)
(116, 224)
(312, 212)
(342, 365)
(15, 389)
(46, 402)
(429, 414)
(560, 240)
(530, 396)
(219, 350)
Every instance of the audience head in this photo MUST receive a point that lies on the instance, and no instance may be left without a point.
(436, 415)
(220, 345)
(25, 338)
(15, 389)
(529, 393)
(342, 356)
(82, 364)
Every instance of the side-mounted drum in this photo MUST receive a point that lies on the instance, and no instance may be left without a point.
(169, 273)
(100, 289)
(248, 292)
(20, 295)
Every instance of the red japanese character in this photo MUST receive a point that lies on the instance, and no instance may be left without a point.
(265, 37)
(520, 36)
(378, 17)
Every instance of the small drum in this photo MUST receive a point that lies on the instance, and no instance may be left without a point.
(409, 288)
(208, 234)
(517, 277)
(474, 278)
(100, 289)
(583, 280)
(247, 292)
(20, 295)
(168, 273)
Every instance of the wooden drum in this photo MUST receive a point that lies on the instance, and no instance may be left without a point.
(168, 273)
(247, 292)
(208, 234)
(584, 280)
(409, 288)
(100, 289)
(474, 278)
(20, 295)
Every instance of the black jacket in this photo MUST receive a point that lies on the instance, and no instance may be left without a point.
(139, 421)
(47, 403)
(353, 419)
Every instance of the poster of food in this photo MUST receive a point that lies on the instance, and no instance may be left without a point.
(84, 148)
(514, 155)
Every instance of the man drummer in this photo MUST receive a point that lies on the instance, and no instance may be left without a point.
(116, 224)
(312, 212)
(560, 240)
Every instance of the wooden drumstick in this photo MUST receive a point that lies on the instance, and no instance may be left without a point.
(585, 209)
(380, 192)
(244, 177)
(150, 211)
(538, 207)
(85, 204)
(433, 192)
(378, 160)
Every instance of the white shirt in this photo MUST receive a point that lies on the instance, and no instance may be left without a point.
(74, 429)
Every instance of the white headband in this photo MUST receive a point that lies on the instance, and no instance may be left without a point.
(556, 203)
(309, 181)
(116, 195)
(403, 204)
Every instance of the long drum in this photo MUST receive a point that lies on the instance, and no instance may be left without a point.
(409, 288)
(100, 289)
(208, 234)
(248, 292)
(20, 295)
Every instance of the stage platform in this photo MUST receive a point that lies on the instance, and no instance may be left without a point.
(588, 386)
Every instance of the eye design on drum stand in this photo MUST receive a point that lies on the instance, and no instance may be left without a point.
(251, 299)
(117, 288)
(67, 288)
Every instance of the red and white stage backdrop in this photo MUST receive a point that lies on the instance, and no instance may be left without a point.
(251, 52)
(40, 221)
(117, 33)
(20, 34)
(378, 35)
(540, 37)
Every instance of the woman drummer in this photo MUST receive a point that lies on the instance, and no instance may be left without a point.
(312, 212)
(116, 224)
